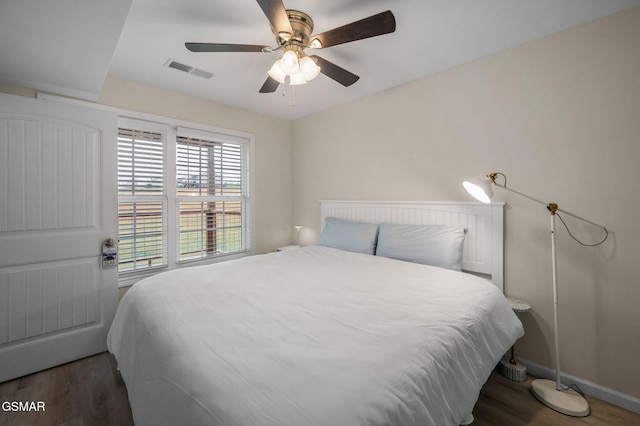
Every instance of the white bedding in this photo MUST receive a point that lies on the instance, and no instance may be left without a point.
(313, 336)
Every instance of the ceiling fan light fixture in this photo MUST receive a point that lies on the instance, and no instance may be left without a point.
(296, 79)
(276, 72)
(309, 68)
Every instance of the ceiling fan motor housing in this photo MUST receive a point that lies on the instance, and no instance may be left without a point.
(302, 26)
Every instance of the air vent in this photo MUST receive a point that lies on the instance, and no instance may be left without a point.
(188, 69)
(201, 73)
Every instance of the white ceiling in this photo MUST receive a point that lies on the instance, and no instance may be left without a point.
(68, 46)
(61, 46)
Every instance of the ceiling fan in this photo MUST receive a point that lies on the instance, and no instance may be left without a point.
(292, 30)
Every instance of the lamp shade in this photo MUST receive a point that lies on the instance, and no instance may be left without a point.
(289, 62)
(309, 68)
(315, 44)
(296, 79)
(276, 72)
(479, 188)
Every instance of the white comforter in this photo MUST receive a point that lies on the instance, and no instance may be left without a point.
(314, 336)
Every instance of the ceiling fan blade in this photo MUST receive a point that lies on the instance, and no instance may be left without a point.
(270, 85)
(223, 47)
(375, 25)
(335, 72)
(277, 15)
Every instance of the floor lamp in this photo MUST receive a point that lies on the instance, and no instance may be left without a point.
(553, 394)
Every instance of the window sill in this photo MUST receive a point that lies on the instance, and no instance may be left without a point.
(127, 279)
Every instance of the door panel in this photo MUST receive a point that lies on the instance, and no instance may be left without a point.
(57, 204)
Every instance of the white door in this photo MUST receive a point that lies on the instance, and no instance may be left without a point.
(58, 202)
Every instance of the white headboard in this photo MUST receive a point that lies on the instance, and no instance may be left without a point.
(484, 242)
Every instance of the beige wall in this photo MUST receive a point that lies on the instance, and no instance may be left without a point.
(272, 147)
(561, 118)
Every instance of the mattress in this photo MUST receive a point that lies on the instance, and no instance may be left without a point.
(312, 336)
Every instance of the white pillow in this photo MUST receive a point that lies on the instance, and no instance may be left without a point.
(434, 245)
(349, 235)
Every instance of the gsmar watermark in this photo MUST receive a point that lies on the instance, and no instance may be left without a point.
(27, 406)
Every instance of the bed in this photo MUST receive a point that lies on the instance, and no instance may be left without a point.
(323, 334)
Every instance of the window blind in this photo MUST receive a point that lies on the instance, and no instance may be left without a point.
(141, 234)
(208, 168)
(183, 195)
(142, 206)
(211, 186)
(140, 162)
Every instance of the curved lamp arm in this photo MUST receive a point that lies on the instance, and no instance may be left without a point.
(481, 189)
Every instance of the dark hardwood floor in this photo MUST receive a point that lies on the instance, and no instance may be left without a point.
(505, 402)
(87, 392)
(90, 392)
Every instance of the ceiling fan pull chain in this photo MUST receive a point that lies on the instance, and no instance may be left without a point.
(293, 94)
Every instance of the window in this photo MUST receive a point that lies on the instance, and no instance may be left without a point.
(183, 195)
(142, 206)
(210, 196)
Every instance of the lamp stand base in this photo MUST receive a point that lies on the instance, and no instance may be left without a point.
(567, 402)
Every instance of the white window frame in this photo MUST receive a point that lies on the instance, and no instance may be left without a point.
(171, 127)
